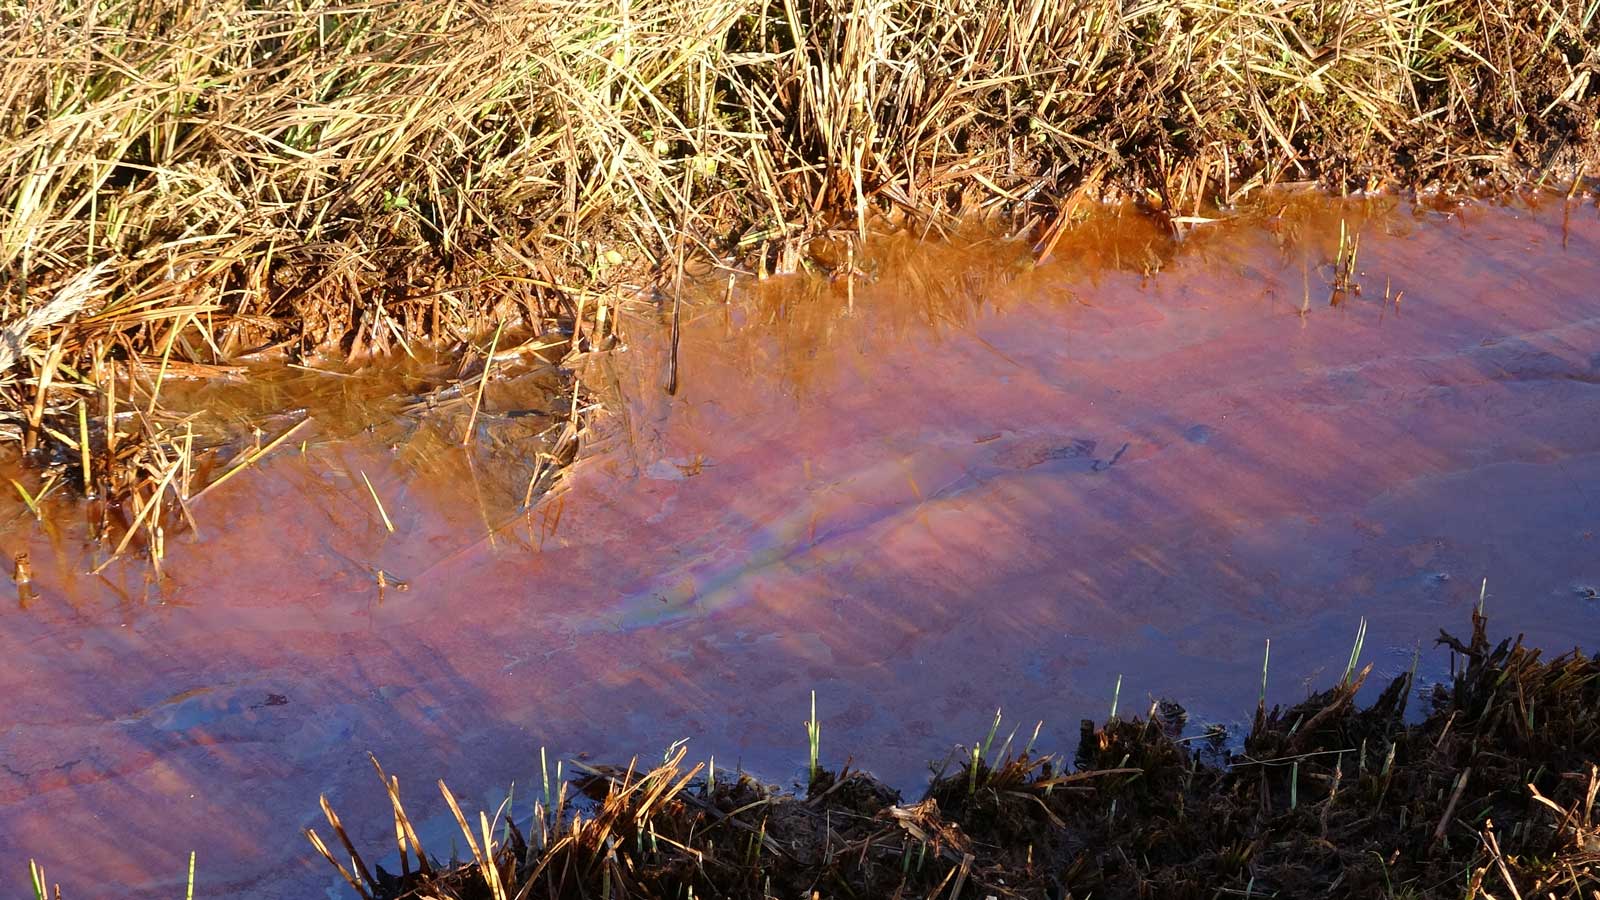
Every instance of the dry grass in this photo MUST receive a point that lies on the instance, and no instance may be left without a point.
(191, 184)
(1492, 794)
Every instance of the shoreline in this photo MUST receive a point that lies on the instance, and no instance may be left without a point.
(1492, 793)
(192, 188)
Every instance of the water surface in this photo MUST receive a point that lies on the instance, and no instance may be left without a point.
(973, 484)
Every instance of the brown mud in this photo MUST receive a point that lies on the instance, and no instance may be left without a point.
(1493, 794)
(956, 482)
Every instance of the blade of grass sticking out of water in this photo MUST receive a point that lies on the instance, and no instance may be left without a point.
(83, 448)
(139, 517)
(322, 848)
(404, 833)
(1266, 657)
(760, 838)
(28, 499)
(490, 867)
(510, 803)
(483, 380)
(378, 503)
(47, 373)
(813, 738)
(1116, 695)
(1355, 653)
(461, 820)
(1483, 594)
(251, 459)
(357, 864)
(188, 894)
(561, 794)
(166, 360)
(1028, 750)
(1411, 684)
(1005, 748)
(544, 772)
(533, 481)
(36, 874)
(989, 740)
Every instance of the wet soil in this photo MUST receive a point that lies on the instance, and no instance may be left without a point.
(1492, 794)
(972, 484)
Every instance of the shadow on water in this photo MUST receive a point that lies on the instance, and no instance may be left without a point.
(961, 482)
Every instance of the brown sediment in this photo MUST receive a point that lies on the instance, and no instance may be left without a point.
(1492, 793)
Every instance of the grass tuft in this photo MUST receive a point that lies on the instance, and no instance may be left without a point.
(1472, 800)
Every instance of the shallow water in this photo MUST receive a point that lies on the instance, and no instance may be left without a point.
(976, 484)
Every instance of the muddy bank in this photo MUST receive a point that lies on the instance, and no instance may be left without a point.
(201, 184)
(895, 504)
(1492, 794)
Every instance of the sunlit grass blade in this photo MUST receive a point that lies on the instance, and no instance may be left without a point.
(382, 513)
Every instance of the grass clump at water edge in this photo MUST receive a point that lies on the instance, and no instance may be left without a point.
(1492, 793)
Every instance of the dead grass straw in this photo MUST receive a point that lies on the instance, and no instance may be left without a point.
(210, 182)
(1492, 794)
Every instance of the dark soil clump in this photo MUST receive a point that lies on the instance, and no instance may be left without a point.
(1491, 795)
